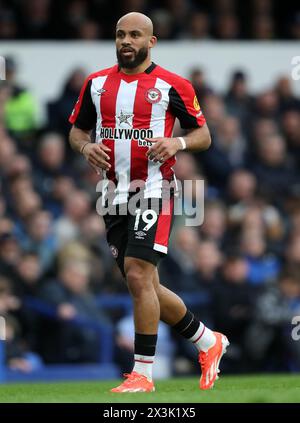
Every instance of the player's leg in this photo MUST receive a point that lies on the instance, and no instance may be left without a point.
(174, 312)
(210, 345)
(172, 307)
(139, 276)
(145, 234)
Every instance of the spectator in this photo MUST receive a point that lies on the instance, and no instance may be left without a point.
(50, 162)
(61, 188)
(26, 204)
(207, 262)
(9, 303)
(76, 209)
(28, 275)
(18, 357)
(294, 26)
(231, 142)
(199, 27)
(267, 105)
(20, 108)
(198, 80)
(239, 102)
(8, 25)
(90, 30)
(291, 130)
(233, 305)
(262, 267)
(263, 27)
(287, 99)
(273, 169)
(163, 23)
(41, 239)
(71, 298)
(242, 187)
(227, 26)
(214, 225)
(269, 342)
(9, 254)
(60, 109)
(177, 270)
(7, 152)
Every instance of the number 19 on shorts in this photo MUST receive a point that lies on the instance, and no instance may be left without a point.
(145, 218)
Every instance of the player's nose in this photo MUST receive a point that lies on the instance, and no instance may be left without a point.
(126, 40)
(126, 43)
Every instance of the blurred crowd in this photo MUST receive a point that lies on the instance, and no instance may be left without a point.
(173, 19)
(241, 267)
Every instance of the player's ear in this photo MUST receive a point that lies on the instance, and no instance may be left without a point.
(152, 41)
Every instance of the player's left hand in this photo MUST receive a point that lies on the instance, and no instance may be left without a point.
(162, 148)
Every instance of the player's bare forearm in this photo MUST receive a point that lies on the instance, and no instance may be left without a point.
(78, 138)
(198, 139)
(163, 148)
(97, 155)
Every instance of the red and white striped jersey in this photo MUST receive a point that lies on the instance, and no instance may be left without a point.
(126, 109)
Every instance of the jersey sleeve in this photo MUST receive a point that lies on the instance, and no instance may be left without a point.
(185, 106)
(84, 114)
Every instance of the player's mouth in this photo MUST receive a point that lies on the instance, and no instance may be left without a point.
(126, 51)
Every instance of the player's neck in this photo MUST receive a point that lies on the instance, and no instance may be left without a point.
(139, 69)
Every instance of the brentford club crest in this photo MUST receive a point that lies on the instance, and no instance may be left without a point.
(153, 95)
(114, 251)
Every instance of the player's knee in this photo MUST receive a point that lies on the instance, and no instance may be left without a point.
(137, 280)
(135, 283)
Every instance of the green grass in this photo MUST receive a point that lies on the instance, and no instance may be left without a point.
(264, 388)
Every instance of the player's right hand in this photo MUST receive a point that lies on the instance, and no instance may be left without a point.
(97, 157)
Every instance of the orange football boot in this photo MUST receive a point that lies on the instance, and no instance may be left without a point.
(210, 360)
(135, 382)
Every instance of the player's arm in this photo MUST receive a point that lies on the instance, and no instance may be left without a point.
(96, 154)
(197, 139)
(184, 105)
(164, 148)
(84, 118)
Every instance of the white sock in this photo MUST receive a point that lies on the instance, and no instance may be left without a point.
(143, 365)
(203, 339)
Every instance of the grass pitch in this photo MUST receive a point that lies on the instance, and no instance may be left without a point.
(244, 389)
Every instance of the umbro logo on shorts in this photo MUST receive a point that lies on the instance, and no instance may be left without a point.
(140, 235)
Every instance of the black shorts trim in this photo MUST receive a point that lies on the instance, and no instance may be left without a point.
(144, 253)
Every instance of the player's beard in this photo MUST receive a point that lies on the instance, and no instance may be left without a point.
(138, 59)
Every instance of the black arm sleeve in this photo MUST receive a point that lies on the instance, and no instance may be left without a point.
(86, 117)
(178, 108)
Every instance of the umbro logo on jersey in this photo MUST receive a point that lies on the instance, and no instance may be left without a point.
(153, 95)
(125, 118)
(101, 91)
